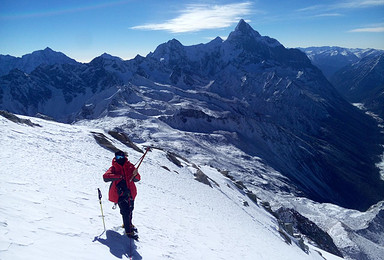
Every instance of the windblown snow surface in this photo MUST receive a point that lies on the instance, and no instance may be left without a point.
(49, 207)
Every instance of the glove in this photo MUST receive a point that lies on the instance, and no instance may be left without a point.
(122, 189)
(134, 173)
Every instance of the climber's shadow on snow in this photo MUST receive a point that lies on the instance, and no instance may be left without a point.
(119, 245)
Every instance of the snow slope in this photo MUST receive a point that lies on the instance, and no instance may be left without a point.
(49, 206)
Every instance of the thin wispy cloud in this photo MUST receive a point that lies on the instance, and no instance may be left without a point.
(61, 10)
(369, 30)
(352, 4)
(328, 15)
(311, 8)
(359, 4)
(197, 17)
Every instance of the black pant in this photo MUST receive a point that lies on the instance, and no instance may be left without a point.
(126, 210)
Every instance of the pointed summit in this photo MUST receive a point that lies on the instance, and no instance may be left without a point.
(174, 42)
(47, 53)
(110, 57)
(246, 38)
(172, 49)
(245, 28)
(105, 59)
(48, 50)
(243, 31)
(170, 45)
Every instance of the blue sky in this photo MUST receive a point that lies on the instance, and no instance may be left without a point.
(84, 29)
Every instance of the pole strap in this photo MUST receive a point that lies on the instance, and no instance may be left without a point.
(100, 196)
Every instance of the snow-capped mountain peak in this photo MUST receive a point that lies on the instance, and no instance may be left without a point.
(216, 41)
(31, 61)
(245, 36)
(46, 56)
(244, 28)
(110, 57)
(170, 51)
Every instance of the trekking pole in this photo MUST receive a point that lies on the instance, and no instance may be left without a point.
(101, 207)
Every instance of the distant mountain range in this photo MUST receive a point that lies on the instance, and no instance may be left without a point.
(250, 90)
(332, 59)
(363, 82)
(358, 74)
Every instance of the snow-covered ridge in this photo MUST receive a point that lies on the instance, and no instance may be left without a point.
(29, 62)
(50, 208)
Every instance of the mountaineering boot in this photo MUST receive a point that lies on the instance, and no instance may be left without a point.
(132, 235)
(133, 228)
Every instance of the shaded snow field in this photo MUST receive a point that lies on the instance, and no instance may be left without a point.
(380, 122)
(49, 207)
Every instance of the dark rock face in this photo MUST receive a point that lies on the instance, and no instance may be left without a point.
(309, 229)
(375, 229)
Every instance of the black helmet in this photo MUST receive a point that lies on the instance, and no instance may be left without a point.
(119, 153)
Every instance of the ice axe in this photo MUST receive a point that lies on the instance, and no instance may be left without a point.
(140, 161)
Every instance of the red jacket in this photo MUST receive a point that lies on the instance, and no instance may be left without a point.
(117, 173)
